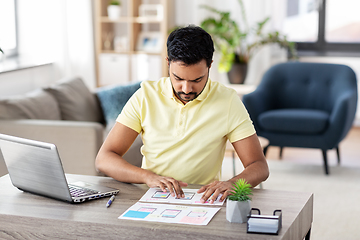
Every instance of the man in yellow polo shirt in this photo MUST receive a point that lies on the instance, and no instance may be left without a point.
(185, 121)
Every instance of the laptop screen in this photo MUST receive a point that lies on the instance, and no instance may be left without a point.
(34, 167)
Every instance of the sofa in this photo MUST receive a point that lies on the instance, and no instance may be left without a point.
(70, 116)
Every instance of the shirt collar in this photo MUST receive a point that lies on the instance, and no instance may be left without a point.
(168, 90)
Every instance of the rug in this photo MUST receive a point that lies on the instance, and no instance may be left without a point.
(336, 196)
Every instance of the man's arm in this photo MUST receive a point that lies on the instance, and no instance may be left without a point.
(110, 161)
(256, 169)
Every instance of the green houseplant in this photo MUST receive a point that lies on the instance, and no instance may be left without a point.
(115, 2)
(238, 203)
(237, 44)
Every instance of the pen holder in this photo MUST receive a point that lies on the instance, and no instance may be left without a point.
(265, 224)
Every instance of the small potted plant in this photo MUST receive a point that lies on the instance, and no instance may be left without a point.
(114, 9)
(238, 203)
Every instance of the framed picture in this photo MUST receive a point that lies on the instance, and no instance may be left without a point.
(151, 11)
(149, 42)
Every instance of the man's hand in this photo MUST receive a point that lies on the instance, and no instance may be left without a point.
(212, 191)
(170, 183)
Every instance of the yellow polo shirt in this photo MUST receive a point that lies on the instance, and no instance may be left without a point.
(186, 142)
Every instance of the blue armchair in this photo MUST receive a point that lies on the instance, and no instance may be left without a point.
(307, 105)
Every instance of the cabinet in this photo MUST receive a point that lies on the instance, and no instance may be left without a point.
(131, 47)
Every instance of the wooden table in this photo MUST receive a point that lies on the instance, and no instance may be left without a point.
(27, 216)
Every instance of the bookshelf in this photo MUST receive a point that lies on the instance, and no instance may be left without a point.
(131, 47)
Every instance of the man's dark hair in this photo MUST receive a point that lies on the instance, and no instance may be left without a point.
(190, 45)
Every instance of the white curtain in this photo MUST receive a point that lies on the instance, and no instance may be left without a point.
(61, 31)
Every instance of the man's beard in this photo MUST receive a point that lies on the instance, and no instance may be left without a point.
(186, 97)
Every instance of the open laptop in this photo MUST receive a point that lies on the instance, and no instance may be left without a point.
(36, 167)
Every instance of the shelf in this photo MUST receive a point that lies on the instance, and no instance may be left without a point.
(125, 34)
(131, 52)
(131, 20)
(115, 52)
(120, 20)
(148, 20)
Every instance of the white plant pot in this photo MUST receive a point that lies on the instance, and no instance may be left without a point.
(236, 211)
(114, 12)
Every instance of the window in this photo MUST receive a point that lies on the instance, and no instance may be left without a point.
(8, 27)
(301, 21)
(344, 25)
(325, 27)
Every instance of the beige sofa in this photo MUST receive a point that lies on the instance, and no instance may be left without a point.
(70, 116)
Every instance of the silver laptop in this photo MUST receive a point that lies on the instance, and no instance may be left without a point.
(36, 167)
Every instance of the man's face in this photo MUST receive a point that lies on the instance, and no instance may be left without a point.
(188, 81)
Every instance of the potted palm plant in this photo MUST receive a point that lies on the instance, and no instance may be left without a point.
(236, 44)
(238, 203)
(114, 9)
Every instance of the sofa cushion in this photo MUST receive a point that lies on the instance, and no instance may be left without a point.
(37, 104)
(306, 121)
(76, 101)
(113, 98)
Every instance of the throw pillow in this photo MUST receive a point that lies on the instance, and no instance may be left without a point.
(113, 99)
(37, 104)
(76, 101)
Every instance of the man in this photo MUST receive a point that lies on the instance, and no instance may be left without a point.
(185, 121)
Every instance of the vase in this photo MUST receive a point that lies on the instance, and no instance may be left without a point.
(114, 12)
(237, 211)
(237, 73)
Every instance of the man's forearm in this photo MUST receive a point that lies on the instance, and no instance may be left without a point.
(254, 174)
(118, 168)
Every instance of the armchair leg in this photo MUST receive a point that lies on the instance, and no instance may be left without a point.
(338, 154)
(325, 162)
(281, 151)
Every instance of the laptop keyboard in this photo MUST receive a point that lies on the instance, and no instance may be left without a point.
(80, 192)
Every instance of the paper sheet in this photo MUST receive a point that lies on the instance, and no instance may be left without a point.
(191, 197)
(170, 213)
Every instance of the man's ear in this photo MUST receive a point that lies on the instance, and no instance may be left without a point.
(167, 60)
(211, 64)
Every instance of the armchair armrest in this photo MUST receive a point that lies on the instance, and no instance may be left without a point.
(77, 142)
(256, 103)
(342, 117)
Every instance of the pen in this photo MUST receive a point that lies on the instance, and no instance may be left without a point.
(110, 201)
